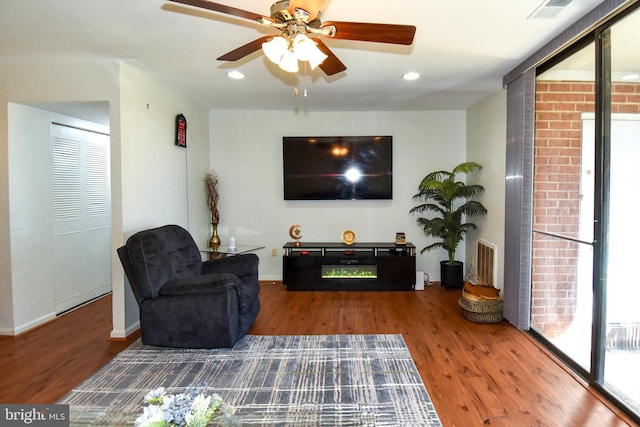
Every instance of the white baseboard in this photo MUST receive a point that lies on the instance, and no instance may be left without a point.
(131, 329)
(7, 332)
(270, 279)
(123, 334)
(33, 323)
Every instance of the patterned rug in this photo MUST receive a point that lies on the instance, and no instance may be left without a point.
(363, 380)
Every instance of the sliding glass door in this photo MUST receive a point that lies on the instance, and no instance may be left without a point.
(584, 302)
(563, 207)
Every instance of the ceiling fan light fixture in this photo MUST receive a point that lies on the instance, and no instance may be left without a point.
(293, 17)
(302, 46)
(289, 62)
(286, 53)
(275, 49)
(307, 50)
(317, 59)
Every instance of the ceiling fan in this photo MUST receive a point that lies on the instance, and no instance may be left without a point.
(300, 30)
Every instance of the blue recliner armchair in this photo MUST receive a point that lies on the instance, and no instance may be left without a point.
(183, 301)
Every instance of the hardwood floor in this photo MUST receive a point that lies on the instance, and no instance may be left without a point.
(44, 364)
(475, 374)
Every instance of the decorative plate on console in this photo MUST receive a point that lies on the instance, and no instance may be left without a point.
(348, 237)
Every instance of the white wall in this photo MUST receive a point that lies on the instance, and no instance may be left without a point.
(30, 210)
(246, 151)
(6, 290)
(158, 182)
(153, 167)
(486, 144)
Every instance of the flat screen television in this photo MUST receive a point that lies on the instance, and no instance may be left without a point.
(337, 167)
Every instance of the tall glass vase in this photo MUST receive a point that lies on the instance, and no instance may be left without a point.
(214, 242)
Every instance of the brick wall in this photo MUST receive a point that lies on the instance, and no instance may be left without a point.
(559, 108)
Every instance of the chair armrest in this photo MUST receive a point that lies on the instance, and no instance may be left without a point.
(123, 254)
(209, 284)
(239, 265)
(245, 268)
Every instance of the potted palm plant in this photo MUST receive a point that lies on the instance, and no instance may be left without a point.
(448, 201)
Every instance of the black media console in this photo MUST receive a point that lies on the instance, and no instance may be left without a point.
(342, 267)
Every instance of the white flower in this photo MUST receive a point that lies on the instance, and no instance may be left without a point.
(201, 404)
(182, 409)
(154, 396)
(151, 414)
(200, 411)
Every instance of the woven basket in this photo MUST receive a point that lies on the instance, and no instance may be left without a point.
(481, 303)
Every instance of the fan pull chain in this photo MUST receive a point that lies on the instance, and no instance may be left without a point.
(306, 77)
(297, 82)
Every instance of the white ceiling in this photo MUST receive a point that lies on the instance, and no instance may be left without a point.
(462, 49)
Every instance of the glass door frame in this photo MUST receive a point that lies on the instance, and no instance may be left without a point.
(601, 205)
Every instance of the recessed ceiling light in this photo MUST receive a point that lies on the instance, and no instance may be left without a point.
(236, 75)
(630, 76)
(411, 75)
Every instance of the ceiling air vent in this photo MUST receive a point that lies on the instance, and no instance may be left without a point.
(549, 9)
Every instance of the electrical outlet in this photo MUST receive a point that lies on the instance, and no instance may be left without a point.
(274, 252)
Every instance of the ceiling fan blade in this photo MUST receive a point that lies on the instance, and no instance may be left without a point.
(245, 50)
(311, 6)
(379, 33)
(217, 7)
(331, 65)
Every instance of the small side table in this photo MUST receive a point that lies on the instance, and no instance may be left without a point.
(224, 251)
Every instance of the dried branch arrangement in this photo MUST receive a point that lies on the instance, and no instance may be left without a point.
(211, 185)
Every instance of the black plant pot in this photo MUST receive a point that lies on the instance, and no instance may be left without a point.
(452, 275)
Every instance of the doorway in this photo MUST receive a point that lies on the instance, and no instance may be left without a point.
(59, 189)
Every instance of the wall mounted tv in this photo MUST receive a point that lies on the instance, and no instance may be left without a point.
(337, 167)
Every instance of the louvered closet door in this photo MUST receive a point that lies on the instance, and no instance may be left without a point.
(81, 215)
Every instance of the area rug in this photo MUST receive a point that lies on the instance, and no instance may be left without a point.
(307, 380)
